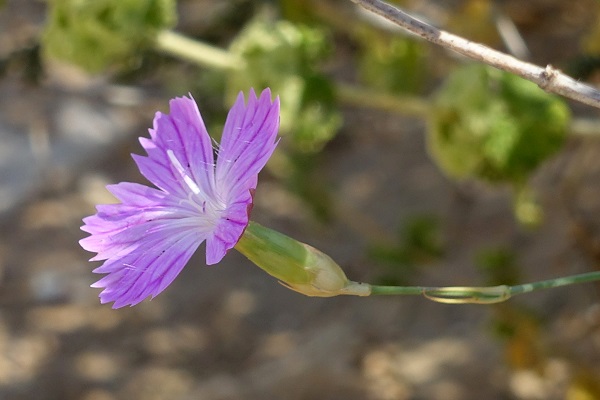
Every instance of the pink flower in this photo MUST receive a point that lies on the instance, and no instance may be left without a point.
(147, 239)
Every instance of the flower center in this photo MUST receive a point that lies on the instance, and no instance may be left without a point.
(197, 198)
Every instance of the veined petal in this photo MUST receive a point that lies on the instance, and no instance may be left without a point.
(180, 154)
(229, 229)
(116, 229)
(124, 238)
(249, 139)
(136, 200)
(161, 175)
(135, 194)
(146, 271)
(245, 176)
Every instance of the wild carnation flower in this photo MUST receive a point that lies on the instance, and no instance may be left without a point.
(147, 239)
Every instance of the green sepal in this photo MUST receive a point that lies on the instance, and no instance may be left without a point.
(298, 266)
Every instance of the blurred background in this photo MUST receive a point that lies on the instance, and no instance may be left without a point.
(405, 163)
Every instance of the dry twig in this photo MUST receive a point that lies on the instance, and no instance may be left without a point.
(550, 79)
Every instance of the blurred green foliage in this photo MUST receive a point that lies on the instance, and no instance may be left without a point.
(521, 331)
(526, 208)
(499, 266)
(494, 126)
(475, 20)
(584, 67)
(587, 64)
(26, 61)
(297, 11)
(590, 43)
(391, 64)
(307, 182)
(97, 34)
(285, 57)
(419, 242)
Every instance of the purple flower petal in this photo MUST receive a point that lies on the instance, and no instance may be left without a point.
(179, 146)
(148, 270)
(229, 230)
(146, 239)
(249, 139)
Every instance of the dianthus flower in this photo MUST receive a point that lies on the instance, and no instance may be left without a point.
(149, 236)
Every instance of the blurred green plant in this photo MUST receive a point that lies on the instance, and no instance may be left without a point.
(590, 43)
(419, 242)
(474, 19)
(297, 11)
(26, 61)
(497, 127)
(284, 56)
(494, 126)
(483, 123)
(499, 266)
(585, 65)
(389, 63)
(521, 331)
(97, 34)
(306, 181)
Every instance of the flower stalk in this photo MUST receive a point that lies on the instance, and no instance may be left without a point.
(482, 295)
(306, 270)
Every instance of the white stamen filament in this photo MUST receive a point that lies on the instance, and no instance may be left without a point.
(186, 178)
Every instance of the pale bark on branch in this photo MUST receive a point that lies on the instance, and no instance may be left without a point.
(549, 78)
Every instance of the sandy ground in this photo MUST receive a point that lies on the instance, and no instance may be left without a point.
(232, 332)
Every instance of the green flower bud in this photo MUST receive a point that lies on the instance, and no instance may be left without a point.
(298, 266)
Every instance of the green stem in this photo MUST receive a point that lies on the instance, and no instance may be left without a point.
(406, 105)
(481, 295)
(552, 283)
(377, 290)
(197, 52)
(449, 295)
